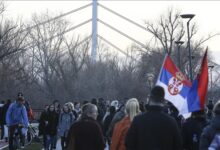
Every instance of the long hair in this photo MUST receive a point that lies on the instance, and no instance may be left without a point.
(132, 108)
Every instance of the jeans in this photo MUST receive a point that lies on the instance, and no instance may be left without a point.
(51, 142)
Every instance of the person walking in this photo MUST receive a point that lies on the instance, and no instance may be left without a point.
(51, 127)
(192, 129)
(121, 128)
(86, 134)
(66, 119)
(42, 125)
(154, 129)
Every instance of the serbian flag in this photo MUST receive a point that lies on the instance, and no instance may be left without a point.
(175, 84)
(197, 94)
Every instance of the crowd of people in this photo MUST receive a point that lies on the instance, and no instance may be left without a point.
(120, 125)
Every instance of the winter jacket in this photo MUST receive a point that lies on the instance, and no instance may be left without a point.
(153, 130)
(191, 132)
(51, 126)
(209, 132)
(119, 134)
(17, 114)
(85, 134)
(65, 121)
(42, 122)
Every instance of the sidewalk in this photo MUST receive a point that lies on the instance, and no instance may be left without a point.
(3, 144)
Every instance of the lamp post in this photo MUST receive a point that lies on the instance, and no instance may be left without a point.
(189, 16)
(178, 43)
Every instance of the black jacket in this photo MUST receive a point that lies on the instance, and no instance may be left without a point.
(153, 130)
(191, 132)
(53, 119)
(42, 125)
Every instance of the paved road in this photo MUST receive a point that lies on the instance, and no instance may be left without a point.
(3, 144)
(59, 145)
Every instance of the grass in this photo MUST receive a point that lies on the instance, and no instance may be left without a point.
(32, 146)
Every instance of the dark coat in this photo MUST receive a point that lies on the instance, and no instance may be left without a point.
(85, 134)
(191, 132)
(153, 130)
(53, 119)
(4, 111)
(42, 124)
(209, 133)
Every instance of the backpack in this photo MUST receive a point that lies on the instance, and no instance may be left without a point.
(30, 114)
(215, 144)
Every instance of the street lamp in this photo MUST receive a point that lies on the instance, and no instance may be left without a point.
(178, 43)
(189, 16)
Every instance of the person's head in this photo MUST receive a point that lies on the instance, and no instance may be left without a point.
(210, 105)
(157, 96)
(112, 110)
(94, 101)
(216, 109)
(56, 103)
(51, 108)
(70, 105)
(66, 108)
(8, 101)
(89, 110)
(115, 104)
(20, 98)
(132, 108)
(77, 105)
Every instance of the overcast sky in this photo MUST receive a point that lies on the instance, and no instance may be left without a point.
(207, 17)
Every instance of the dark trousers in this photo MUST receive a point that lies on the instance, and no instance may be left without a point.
(12, 130)
(44, 140)
(2, 131)
(63, 143)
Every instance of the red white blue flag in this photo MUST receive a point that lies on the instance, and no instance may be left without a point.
(175, 84)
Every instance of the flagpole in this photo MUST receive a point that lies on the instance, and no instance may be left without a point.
(162, 67)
